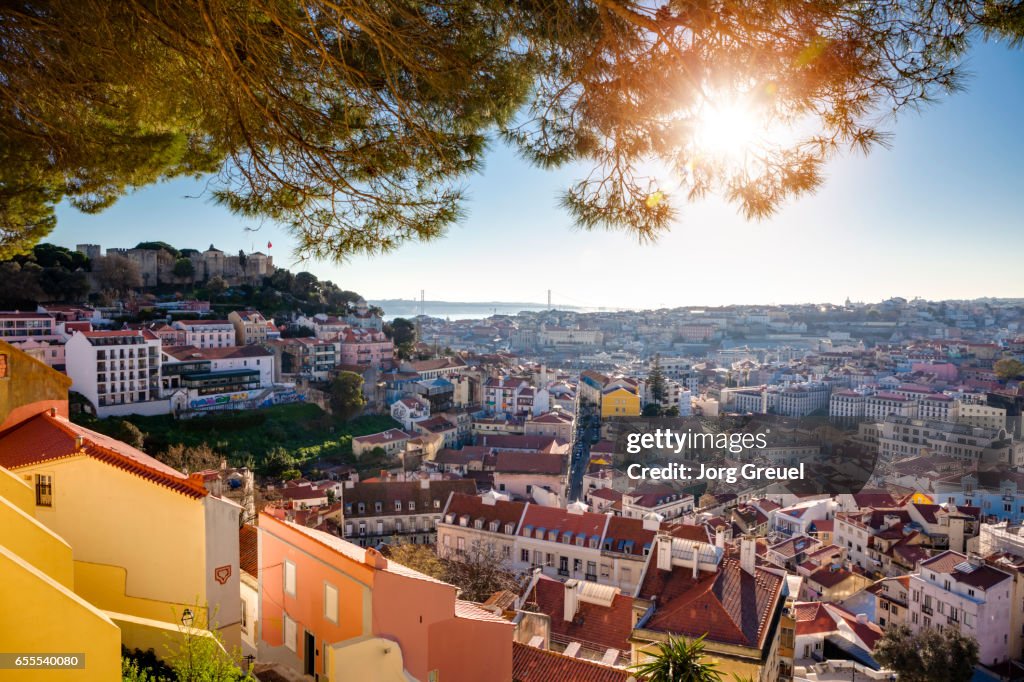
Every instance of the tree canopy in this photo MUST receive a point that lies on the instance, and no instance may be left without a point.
(356, 125)
(929, 655)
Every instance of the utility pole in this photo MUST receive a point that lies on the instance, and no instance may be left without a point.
(549, 299)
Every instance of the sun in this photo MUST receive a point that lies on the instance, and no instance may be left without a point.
(728, 130)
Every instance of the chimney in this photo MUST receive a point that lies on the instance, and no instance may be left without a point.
(79, 442)
(862, 618)
(53, 411)
(572, 599)
(748, 553)
(652, 521)
(720, 538)
(663, 544)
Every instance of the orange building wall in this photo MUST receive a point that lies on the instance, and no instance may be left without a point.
(314, 564)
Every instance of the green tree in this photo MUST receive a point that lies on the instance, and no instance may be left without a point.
(929, 655)
(276, 462)
(159, 246)
(190, 458)
(678, 659)
(202, 657)
(183, 269)
(1008, 368)
(216, 286)
(403, 333)
(656, 384)
(652, 410)
(398, 101)
(60, 284)
(347, 399)
(131, 434)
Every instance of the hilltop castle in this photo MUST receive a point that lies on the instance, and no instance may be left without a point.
(157, 266)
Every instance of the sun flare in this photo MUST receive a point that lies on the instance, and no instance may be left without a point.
(729, 130)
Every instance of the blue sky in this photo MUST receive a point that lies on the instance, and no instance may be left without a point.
(936, 216)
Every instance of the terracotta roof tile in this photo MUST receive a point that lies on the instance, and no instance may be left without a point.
(248, 545)
(608, 627)
(730, 605)
(47, 437)
(537, 665)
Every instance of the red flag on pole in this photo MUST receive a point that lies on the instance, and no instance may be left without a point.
(269, 245)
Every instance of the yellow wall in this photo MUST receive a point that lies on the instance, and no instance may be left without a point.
(28, 382)
(35, 543)
(134, 542)
(41, 615)
(374, 658)
(620, 403)
(17, 491)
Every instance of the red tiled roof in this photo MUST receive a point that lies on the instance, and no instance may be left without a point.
(608, 627)
(629, 535)
(730, 605)
(389, 436)
(537, 665)
(502, 511)
(812, 618)
(248, 559)
(46, 437)
(529, 463)
(829, 576)
(687, 532)
(553, 518)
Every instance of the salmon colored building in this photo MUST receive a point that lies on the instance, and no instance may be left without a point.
(337, 611)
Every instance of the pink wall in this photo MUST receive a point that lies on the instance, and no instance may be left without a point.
(942, 370)
(488, 658)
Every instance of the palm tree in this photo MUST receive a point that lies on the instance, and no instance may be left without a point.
(678, 660)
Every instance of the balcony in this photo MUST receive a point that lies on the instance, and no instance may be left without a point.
(591, 577)
(927, 610)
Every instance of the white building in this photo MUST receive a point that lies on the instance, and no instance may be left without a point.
(954, 590)
(207, 333)
(117, 371)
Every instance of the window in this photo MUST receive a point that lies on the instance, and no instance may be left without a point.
(524, 556)
(289, 578)
(412, 506)
(398, 505)
(331, 603)
(245, 617)
(44, 490)
(437, 504)
(461, 544)
(378, 507)
(290, 633)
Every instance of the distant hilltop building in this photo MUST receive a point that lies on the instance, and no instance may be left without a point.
(157, 266)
